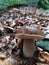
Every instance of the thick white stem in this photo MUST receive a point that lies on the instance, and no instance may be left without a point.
(29, 48)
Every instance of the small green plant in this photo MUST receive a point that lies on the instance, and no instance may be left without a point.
(43, 4)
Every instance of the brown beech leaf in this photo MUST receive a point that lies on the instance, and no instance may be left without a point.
(42, 64)
(45, 55)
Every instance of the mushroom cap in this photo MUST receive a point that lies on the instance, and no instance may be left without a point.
(30, 32)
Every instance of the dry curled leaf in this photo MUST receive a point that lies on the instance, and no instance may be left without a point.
(45, 55)
(7, 62)
(41, 64)
(2, 57)
(4, 60)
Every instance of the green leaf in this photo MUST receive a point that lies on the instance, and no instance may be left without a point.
(43, 44)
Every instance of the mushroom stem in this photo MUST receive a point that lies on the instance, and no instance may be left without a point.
(29, 47)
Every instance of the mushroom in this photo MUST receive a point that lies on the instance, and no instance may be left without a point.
(29, 34)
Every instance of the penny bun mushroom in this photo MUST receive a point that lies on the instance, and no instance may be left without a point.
(29, 34)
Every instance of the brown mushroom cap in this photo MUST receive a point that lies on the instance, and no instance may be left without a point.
(30, 32)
